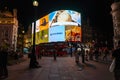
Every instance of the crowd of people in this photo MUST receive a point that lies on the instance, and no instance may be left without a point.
(103, 54)
(100, 54)
(96, 54)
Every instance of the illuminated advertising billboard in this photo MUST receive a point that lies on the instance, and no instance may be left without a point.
(61, 25)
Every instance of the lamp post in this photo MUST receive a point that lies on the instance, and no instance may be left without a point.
(71, 43)
(23, 41)
(33, 60)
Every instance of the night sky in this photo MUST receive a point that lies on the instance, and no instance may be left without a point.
(98, 11)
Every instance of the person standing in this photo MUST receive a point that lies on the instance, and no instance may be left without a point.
(38, 52)
(0, 62)
(54, 51)
(82, 54)
(91, 54)
(86, 55)
(4, 59)
(116, 56)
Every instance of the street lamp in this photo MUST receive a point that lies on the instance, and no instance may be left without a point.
(33, 60)
(35, 3)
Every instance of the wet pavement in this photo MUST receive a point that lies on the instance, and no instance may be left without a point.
(64, 68)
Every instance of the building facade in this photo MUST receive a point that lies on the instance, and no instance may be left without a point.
(87, 31)
(9, 27)
(28, 37)
(116, 21)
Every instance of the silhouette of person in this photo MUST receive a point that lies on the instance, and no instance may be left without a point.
(55, 53)
(77, 55)
(3, 59)
(0, 62)
(116, 55)
(82, 54)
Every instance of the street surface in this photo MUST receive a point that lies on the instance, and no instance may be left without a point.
(64, 68)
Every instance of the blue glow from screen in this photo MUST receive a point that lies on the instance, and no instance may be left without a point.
(57, 33)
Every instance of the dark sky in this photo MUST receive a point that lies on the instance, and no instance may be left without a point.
(98, 11)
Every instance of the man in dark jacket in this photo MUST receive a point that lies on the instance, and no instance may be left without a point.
(116, 55)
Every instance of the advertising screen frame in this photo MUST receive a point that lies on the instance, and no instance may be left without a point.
(69, 19)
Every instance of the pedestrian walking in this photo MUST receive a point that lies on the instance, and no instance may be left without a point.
(106, 53)
(76, 53)
(116, 56)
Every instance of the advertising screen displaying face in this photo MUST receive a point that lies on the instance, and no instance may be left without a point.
(61, 25)
(65, 17)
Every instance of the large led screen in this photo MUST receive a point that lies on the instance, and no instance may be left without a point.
(61, 25)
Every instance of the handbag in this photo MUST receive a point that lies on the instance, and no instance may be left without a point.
(112, 66)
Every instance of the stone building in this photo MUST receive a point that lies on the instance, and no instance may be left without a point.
(9, 27)
(116, 21)
(87, 31)
(28, 37)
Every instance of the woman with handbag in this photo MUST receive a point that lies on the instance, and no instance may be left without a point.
(116, 56)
